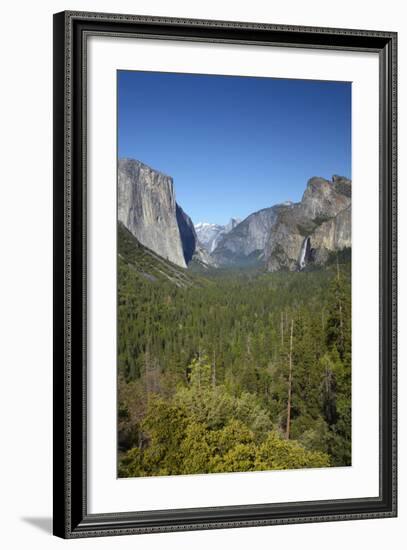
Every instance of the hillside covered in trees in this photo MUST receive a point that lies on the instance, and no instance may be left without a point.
(231, 370)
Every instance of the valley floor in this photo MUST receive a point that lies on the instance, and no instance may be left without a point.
(231, 370)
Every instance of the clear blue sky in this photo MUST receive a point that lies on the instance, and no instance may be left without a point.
(234, 145)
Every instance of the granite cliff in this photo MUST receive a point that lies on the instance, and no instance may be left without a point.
(245, 243)
(306, 232)
(147, 208)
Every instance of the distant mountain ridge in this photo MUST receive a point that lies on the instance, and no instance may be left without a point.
(209, 234)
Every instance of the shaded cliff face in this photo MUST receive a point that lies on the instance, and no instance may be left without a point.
(306, 232)
(147, 207)
(246, 241)
(187, 234)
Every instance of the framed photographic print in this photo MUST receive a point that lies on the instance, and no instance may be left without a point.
(224, 274)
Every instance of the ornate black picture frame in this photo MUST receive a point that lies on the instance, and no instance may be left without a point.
(71, 517)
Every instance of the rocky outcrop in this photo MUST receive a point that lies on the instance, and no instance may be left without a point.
(324, 199)
(335, 233)
(147, 207)
(245, 243)
(306, 232)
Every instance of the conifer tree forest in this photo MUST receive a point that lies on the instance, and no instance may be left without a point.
(231, 370)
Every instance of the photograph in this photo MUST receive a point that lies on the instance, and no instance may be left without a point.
(234, 240)
(224, 272)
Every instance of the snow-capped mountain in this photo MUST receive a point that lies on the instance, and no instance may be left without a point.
(209, 233)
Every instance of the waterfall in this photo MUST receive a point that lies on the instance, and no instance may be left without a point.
(305, 250)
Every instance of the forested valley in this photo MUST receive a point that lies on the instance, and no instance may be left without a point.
(231, 370)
